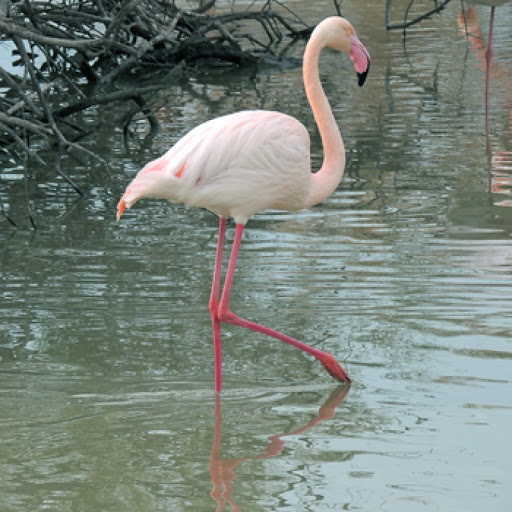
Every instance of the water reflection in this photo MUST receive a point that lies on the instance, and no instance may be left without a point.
(222, 470)
(500, 158)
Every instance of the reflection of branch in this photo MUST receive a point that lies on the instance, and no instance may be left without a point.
(408, 23)
(21, 143)
(66, 178)
(337, 6)
(4, 213)
(222, 471)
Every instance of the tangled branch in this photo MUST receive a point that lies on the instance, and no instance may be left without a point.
(59, 46)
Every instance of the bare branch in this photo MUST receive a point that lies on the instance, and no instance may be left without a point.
(62, 44)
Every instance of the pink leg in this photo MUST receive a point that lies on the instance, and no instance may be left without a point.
(214, 306)
(226, 315)
(488, 58)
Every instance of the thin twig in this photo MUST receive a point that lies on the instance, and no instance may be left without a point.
(5, 214)
(25, 100)
(27, 195)
(24, 146)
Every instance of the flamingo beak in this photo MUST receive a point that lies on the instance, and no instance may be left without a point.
(120, 208)
(361, 77)
(361, 59)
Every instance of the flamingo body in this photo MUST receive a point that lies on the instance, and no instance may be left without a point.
(243, 163)
(234, 165)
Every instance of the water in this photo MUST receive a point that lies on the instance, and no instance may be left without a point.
(405, 273)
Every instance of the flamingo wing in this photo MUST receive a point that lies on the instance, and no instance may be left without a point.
(240, 164)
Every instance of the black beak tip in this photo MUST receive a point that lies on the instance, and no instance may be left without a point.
(361, 77)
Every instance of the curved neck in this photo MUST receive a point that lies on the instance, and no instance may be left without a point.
(324, 181)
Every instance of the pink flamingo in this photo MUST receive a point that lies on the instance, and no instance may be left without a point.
(500, 164)
(243, 163)
(488, 54)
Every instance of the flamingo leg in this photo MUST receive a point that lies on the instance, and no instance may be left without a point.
(488, 58)
(214, 306)
(224, 314)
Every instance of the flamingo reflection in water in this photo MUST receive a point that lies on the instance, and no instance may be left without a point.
(488, 53)
(222, 470)
(500, 163)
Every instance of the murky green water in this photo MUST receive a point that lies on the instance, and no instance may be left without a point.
(405, 273)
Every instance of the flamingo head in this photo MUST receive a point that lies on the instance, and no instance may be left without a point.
(333, 368)
(153, 180)
(339, 34)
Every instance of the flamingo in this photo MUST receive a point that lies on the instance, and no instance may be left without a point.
(249, 161)
(488, 54)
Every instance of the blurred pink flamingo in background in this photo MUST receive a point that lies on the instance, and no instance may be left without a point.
(500, 163)
(243, 163)
(488, 54)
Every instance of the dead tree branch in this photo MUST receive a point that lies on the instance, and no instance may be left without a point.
(59, 46)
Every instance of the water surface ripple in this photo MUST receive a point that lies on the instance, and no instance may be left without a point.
(405, 273)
